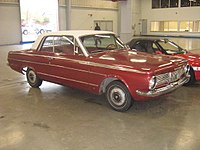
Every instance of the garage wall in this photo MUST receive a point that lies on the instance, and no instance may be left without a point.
(83, 18)
(185, 13)
(10, 22)
(85, 12)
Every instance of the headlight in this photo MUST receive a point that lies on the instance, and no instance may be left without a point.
(152, 83)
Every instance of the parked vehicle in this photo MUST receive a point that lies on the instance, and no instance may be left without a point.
(98, 62)
(167, 47)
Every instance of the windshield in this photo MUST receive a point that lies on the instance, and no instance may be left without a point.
(170, 47)
(101, 42)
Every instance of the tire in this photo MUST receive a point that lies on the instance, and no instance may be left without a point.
(118, 96)
(192, 78)
(32, 78)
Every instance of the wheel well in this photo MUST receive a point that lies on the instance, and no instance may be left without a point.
(106, 82)
(25, 68)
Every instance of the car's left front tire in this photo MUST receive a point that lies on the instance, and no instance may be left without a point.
(32, 78)
(118, 96)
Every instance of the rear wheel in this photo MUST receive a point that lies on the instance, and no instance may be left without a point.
(33, 79)
(118, 96)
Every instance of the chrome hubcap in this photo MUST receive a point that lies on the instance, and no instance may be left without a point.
(117, 96)
(32, 76)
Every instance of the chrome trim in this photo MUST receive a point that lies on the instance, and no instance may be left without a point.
(196, 68)
(164, 90)
(52, 65)
(170, 77)
(58, 77)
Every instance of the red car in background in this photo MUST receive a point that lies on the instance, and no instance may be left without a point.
(167, 47)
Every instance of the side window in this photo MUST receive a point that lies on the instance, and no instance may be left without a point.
(47, 45)
(58, 44)
(64, 44)
(150, 47)
(155, 47)
(140, 46)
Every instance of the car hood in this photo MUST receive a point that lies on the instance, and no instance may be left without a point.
(193, 59)
(138, 60)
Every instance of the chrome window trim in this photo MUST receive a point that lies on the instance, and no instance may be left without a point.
(78, 81)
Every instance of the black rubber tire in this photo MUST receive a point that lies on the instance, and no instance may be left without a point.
(32, 78)
(192, 79)
(118, 96)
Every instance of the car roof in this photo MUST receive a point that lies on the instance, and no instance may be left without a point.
(75, 33)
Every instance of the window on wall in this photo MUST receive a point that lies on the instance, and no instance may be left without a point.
(164, 3)
(106, 25)
(185, 3)
(196, 26)
(165, 26)
(175, 26)
(195, 3)
(186, 26)
(155, 3)
(189, 3)
(155, 26)
(174, 3)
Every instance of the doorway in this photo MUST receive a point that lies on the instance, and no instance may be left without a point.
(38, 17)
(105, 25)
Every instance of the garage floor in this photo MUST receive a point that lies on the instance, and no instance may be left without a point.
(55, 117)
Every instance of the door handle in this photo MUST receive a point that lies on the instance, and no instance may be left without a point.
(50, 58)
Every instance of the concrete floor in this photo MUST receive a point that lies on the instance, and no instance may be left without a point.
(55, 117)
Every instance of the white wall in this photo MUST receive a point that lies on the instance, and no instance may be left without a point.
(10, 31)
(184, 13)
(83, 18)
(85, 12)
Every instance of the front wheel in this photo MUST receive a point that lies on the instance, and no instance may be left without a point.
(192, 78)
(118, 96)
(33, 79)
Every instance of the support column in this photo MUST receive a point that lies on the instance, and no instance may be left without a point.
(65, 15)
(125, 19)
(129, 19)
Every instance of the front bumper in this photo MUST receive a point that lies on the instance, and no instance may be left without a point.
(164, 90)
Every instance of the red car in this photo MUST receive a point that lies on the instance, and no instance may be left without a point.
(98, 62)
(167, 47)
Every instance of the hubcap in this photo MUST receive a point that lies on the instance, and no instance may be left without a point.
(32, 77)
(117, 96)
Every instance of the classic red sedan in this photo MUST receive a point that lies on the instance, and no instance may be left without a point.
(167, 47)
(98, 62)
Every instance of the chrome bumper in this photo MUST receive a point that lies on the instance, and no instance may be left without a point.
(164, 90)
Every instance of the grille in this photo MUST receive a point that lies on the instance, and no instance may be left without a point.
(169, 77)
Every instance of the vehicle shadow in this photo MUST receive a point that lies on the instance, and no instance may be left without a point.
(153, 108)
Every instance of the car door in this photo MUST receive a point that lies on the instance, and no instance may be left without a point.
(68, 64)
(42, 57)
